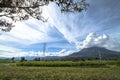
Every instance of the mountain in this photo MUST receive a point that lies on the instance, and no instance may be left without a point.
(95, 52)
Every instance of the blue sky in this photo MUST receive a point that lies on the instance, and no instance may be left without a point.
(65, 33)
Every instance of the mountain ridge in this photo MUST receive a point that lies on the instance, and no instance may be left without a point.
(95, 52)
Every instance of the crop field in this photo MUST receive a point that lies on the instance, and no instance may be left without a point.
(90, 70)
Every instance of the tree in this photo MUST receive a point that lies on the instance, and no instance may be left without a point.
(37, 59)
(13, 59)
(17, 10)
(23, 59)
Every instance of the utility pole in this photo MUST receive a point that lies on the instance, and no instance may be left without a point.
(100, 56)
(44, 49)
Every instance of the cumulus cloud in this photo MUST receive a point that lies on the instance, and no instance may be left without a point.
(93, 40)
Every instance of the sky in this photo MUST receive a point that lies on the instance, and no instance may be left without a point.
(65, 33)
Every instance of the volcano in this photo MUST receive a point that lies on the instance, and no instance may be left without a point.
(95, 52)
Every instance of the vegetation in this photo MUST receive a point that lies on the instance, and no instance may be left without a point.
(23, 59)
(61, 64)
(59, 73)
(5, 61)
(61, 70)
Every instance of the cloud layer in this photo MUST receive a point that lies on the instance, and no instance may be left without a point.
(18, 53)
(93, 40)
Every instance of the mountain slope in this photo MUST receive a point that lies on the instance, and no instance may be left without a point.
(96, 52)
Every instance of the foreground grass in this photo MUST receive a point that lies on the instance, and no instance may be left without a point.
(58, 73)
(62, 64)
(90, 70)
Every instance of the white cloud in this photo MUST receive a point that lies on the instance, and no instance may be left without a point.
(65, 52)
(30, 32)
(93, 40)
(2, 37)
(9, 49)
(113, 44)
(19, 53)
(71, 25)
(26, 34)
(65, 23)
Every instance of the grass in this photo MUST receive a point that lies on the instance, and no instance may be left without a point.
(59, 72)
(61, 64)
(68, 63)
(5, 61)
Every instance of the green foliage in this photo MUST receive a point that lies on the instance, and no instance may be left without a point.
(23, 59)
(60, 64)
(5, 61)
(111, 62)
(56, 70)
(118, 63)
(58, 73)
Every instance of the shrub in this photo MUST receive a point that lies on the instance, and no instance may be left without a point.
(61, 64)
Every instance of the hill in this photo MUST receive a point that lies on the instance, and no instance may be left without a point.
(94, 53)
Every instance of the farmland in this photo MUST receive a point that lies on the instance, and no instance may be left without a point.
(57, 70)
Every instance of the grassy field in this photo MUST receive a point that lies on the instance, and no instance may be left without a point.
(109, 70)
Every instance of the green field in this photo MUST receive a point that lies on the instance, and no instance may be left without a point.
(89, 70)
(62, 64)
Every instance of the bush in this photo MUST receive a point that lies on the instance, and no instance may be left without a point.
(60, 64)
